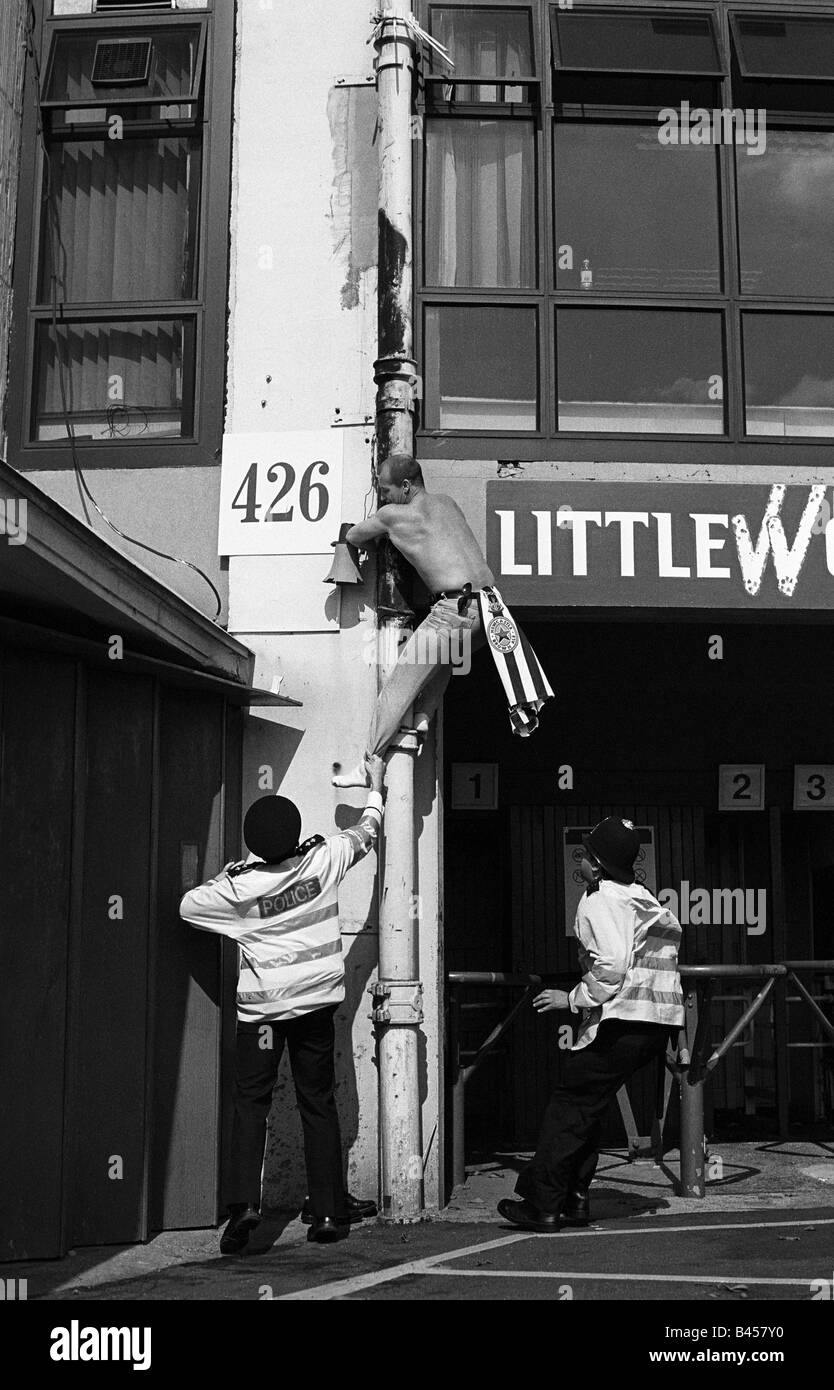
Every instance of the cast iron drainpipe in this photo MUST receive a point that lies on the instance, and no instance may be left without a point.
(397, 994)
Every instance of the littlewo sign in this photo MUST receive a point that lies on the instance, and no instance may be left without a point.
(675, 545)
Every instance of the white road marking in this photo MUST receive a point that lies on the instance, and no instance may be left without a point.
(616, 1278)
(341, 1287)
(662, 1230)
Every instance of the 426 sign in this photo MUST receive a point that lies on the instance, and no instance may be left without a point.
(281, 494)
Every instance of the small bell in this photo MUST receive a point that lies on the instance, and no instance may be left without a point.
(344, 569)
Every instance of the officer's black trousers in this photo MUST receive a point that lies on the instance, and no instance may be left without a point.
(567, 1152)
(260, 1046)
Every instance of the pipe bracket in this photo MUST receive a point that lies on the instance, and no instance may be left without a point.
(397, 1003)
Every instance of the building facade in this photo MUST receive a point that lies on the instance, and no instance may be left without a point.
(618, 286)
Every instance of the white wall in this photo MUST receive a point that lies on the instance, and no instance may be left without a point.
(303, 312)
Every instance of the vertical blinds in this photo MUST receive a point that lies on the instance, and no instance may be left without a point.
(126, 215)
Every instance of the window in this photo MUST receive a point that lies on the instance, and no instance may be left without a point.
(612, 41)
(796, 47)
(637, 215)
(786, 245)
(498, 383)
(789, 374)
(640, 371)
(630, 210)
(126, 297)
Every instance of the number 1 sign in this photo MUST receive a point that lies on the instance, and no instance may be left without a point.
(281, 494)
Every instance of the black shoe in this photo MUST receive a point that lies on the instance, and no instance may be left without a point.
(325, 1230)
(355, 1208)
(528, 1217)
(243, 1221)
(577, 1209)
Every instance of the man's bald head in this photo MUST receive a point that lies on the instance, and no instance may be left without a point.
(399, 477)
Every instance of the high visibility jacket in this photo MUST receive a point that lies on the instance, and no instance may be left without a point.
(628, 954)
(285, 920)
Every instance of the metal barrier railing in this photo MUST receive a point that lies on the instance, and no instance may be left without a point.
(691, 1064)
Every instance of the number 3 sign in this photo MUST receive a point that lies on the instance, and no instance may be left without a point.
(281, 494)
(813, 788)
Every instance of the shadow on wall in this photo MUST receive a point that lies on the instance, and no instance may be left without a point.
(270, 745)
(346, 603)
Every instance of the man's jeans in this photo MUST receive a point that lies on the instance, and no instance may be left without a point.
(424, 668)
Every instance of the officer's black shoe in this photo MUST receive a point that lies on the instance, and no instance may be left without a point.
(577, 1209)
(243, 1221)
(528, 1217)
(356, 1209)
(324, 1230)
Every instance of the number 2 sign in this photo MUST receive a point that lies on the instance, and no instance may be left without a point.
(741, 787)
(280, 494)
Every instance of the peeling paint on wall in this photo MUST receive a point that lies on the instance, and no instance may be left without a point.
(351, 112)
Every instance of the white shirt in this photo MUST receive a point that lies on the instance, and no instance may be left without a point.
(628, 953)
(285, 920)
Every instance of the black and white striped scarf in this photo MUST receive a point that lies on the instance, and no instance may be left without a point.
(525, 684)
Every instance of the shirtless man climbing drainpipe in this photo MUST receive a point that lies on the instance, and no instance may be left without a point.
(430, 530)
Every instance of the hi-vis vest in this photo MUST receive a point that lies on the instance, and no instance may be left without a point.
(628, 954)
(285, 920)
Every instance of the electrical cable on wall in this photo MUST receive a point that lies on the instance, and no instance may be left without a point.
(53, 232)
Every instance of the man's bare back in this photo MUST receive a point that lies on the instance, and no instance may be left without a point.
(434, 536)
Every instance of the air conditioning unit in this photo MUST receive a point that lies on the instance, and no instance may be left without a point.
(122, 62)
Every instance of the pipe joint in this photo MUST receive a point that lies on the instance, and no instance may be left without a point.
(397, 1003)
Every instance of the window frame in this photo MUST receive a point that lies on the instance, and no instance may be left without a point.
(761, 12)
(208, 307)
(735, 447)
(645, 12)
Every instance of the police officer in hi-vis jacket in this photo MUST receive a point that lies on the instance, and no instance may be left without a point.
(630, 999)
(282, 910)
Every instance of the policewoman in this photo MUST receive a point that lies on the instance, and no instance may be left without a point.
(282, 910)
(630, 1000)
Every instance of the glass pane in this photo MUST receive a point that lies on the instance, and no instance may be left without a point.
(608, 41)
(127, 217)
(171, 74)
(771, 47)
(121, 380)
(785, 200)
(481, 368)
(480, 203)
(633, 215)
(484, 43)
(640, 371)
(789, 374)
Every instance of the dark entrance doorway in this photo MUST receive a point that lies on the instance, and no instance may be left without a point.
(643, 719)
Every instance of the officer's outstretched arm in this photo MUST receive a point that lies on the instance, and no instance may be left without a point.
(352, 845)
